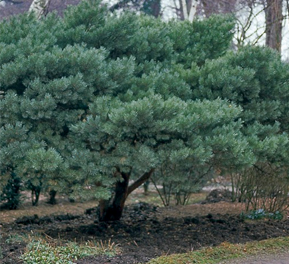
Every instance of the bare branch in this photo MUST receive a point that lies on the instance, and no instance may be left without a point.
(140, 181)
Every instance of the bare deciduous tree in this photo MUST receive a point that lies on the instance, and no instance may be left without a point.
(39, 7)
(188, 9)
(248, 13)
(210, 7)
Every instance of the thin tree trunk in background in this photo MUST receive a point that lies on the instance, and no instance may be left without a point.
(52, 195)
(188, 9)
(274, 17)
(210, 7)
(156, 8)
(152, 7)
(39, 7)
(35, 193)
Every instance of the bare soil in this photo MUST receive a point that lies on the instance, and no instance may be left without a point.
(145, 232)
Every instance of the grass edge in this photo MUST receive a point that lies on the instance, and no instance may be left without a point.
(226, 251)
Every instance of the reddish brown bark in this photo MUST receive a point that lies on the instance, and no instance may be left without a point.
(274, 17)
(112, 209)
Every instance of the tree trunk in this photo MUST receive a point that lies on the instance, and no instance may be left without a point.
(274, 17)
(35, 193)
(146, 187)
(152, 7)
(112, 209)
(156, 8)
(39, 7)
(211, 7)
(188, 9)
(52, 195)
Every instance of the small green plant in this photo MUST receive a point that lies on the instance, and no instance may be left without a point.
(10, 194)
(261, 214)
(42, 252)
(15, 238)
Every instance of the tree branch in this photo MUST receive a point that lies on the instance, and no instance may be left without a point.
(118, 5)
(140, 181)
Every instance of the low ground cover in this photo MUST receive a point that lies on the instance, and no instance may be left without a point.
(146, 232)
(227, 251)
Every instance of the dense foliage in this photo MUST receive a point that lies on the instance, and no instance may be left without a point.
(95, 100)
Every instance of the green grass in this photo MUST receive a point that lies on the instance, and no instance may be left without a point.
(15, 238)
(226, 251)
(41, 251)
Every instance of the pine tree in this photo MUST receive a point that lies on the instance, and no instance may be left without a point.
(256, 79)
(94, 103)
(132, 139)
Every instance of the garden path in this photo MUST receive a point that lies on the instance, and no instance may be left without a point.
(281, 258)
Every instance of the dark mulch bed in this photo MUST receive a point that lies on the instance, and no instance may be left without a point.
(142, 234)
